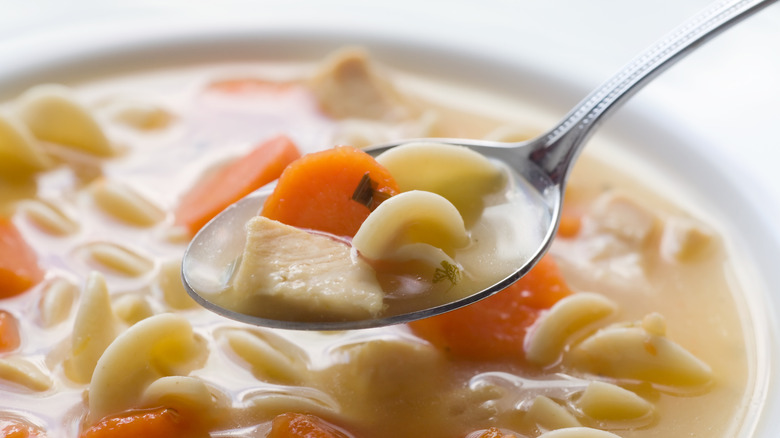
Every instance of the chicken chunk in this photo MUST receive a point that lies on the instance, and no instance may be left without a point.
(289, 273)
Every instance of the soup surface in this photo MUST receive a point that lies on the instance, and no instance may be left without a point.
(631, 325)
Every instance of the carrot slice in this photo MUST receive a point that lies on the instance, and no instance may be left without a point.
(250, 86)
(495, 328)
(19, 429)
(157, 423)
(292, 425)
(19, 268)
(494, 432)
(318, 191)
(571, 222)
(261, 166)
(9, 332)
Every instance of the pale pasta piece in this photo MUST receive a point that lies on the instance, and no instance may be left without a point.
(22, 372)
(550, 415)
(289, 273)
(578, 432)
(272, 358)
(125, 204)
(132, 308)
(142, 116)
(159, 346)
(683, 239)
(607, 402)
(170, 285)
(49, 217)
(546, 340)
(56, 301)
(94, 328)
(118, 259)
(54, 114)
(631, 352)
(20, 153)
(457, 173)
(411, 218)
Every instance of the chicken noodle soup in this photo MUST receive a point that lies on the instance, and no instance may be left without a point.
(630, 327)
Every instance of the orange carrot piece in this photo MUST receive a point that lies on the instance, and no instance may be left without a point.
(495, 328)
(261, 166)
(250, 85)
(19, 268)
(157, 423)
(571, 222)
(293, 425)
(9, 332)
(19, 429)
(316, 192)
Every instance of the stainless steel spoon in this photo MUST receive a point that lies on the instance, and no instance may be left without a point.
(543, 162)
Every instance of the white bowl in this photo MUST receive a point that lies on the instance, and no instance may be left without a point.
(665, 145)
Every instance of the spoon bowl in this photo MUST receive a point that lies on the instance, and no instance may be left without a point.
(540, 166)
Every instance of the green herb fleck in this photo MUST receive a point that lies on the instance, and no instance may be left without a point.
(448, 271)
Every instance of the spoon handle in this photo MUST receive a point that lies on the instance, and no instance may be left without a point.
(556, 150)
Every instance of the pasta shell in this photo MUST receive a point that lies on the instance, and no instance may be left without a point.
(410, 218)
(23, 372)
(125, 204)
(53, 114)
(607, 402)
(20, 154)
(56, 301)
(118, 258)
(550, 415)
(159, 346)
(93, 330)
(547, 339)
(633, 353)
(50, 218)
(457, 173)
(274, 359)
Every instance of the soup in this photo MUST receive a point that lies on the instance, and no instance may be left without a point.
(631, 326)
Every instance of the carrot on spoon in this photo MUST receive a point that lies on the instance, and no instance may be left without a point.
(261, 166)
(331, 191)
(19, 270)
(495, 328)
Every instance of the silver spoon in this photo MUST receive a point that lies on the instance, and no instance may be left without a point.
(543, 162)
